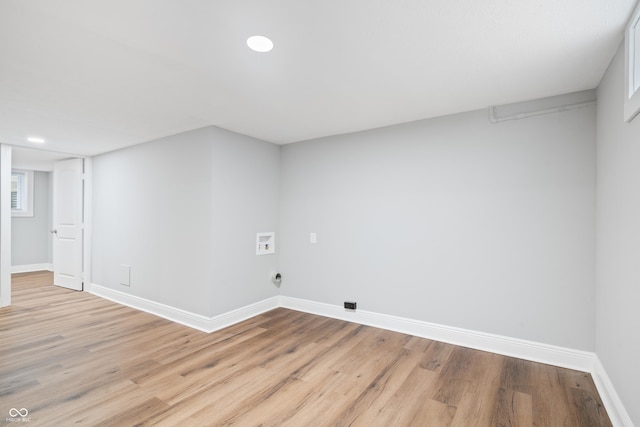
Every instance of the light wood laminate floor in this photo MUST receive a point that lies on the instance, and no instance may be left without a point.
(71, 358)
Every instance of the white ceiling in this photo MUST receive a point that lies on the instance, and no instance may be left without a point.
(92, 76)
(37, 160)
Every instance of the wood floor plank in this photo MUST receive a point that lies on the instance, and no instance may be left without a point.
(73, 358)
(411, 397)
(455, 376)
(378, 397)
(477, 404)
(513, 409)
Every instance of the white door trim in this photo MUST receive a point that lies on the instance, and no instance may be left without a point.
(87, 220)
(5, 225)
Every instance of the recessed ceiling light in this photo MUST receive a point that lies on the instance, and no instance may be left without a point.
(260, 43)
(35, 140)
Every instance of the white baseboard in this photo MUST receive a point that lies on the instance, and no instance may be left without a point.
(615, 409)
(28, 268)
(529, 350)
(192, 320)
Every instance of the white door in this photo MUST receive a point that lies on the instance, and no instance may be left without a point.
(67, 223)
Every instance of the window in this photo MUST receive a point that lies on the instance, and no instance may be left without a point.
(21, 193)
(632, 66)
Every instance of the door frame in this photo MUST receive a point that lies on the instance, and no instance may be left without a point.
(5, 222)
(5, 225)
(87, 216)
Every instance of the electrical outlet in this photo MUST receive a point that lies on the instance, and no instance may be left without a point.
(350, 305)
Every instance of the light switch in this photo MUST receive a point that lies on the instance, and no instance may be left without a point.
(313, 238)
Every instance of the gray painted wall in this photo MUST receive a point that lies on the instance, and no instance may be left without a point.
(183, 212)
(454, 220)
(618, 259)
(30, 236)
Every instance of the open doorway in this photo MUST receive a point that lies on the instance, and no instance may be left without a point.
(35, 192)
(31, 210)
